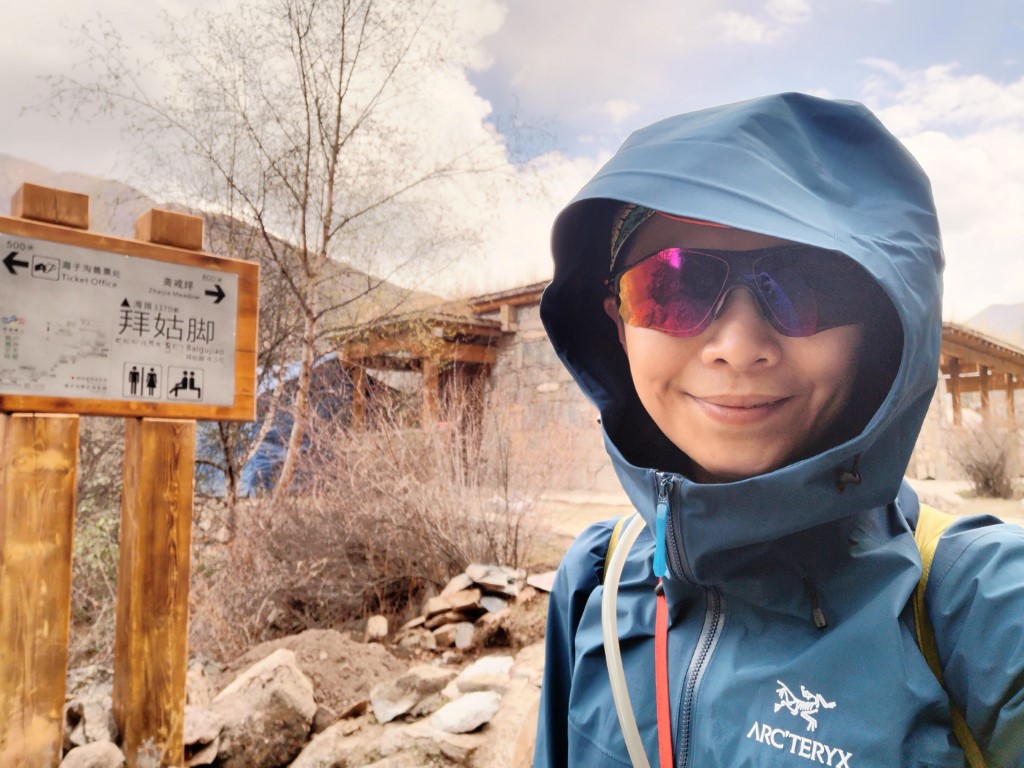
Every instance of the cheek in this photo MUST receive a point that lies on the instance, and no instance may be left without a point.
(832, 362)
(655, 358)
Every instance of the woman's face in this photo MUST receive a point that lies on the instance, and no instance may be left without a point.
(740, 399)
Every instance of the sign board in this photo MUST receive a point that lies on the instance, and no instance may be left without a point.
(93, 324)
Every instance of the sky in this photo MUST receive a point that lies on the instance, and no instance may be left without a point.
(946, 76)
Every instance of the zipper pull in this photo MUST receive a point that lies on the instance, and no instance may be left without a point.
(661, 527)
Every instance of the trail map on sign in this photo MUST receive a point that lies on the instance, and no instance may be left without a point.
(82, 323)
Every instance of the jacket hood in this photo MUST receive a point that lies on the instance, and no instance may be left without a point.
(825, 173)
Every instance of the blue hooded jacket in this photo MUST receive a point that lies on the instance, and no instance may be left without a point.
(753, 680)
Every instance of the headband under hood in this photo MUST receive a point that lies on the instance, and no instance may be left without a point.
(814, 171)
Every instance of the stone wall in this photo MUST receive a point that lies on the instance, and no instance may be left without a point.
(548, 416)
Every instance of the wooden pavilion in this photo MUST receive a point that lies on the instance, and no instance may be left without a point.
(974, 362)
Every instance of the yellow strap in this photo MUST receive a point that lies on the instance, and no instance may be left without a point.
(930, 525)
(620, 524)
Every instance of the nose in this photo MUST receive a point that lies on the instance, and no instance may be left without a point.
(740, 336)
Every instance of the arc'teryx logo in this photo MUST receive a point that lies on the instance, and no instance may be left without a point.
(807, 707)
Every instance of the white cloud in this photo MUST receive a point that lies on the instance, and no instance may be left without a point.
(789, 12)
(617, 110)
(742, 28)
(967, 131)
(776, 18)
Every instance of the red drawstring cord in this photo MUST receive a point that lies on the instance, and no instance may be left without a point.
(661, 679)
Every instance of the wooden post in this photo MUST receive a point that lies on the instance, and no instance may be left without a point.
(151, 635)
(983, 382)
(38, 462)
(431, 393)
(38, 474)
(358, 376)
(1011, 411)
(953, 385)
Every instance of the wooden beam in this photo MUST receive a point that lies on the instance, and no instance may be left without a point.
(356, 351)
(38, 468)
(994, 362)
(973, 383)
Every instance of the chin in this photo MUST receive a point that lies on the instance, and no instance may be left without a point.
(732, 471)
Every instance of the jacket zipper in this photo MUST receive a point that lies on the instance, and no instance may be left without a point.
(714, 615)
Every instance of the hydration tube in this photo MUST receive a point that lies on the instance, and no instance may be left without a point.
(610, 637)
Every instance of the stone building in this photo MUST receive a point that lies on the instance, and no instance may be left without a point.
(494, 347)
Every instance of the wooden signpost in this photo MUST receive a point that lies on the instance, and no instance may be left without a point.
(151, 329)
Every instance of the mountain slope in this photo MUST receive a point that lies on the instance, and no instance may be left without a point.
(1004, 321)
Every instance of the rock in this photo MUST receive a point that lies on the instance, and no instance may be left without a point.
(426, 743)
(489, 673)
(85, 678)
(342, 669)
(343, 744)
(419, 638)
(376, 629)
(467, 713)
(267, 712)
(492, 630)
(416, 689)
(201, 735)
(529, 664)
(526, 595)
(457, 584)
(512, 733)
(542, 581)
(336, 747)
(493, 604)
(99, 754)
(199, 690)
(413, 623)
(467, 599)
(88, 717)
(440, 619)
(497, 578)
(326, 717)
(356, 709)
(459, 635)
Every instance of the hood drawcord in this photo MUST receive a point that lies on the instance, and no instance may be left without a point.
(850, 476)
(817, 614)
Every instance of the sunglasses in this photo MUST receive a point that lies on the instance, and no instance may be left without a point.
(800, 290)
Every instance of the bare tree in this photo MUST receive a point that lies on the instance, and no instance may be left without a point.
(312, 122)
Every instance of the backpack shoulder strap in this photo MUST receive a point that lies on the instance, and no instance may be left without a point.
(620, 525)
(930, 525)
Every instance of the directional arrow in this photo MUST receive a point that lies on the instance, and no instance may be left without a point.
(12, 261)
(219, 293)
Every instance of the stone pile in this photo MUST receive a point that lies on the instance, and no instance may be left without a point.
(470, 612)
(276, 713)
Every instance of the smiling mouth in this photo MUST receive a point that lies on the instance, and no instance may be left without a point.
(743, 402)
(741, 410)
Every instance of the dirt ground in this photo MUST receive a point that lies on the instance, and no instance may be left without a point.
(342, 670)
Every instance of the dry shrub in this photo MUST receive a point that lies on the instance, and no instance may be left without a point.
(97, 521)
(989, 455)
(379, 520)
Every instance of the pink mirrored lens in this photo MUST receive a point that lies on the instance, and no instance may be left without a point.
(673, 291)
